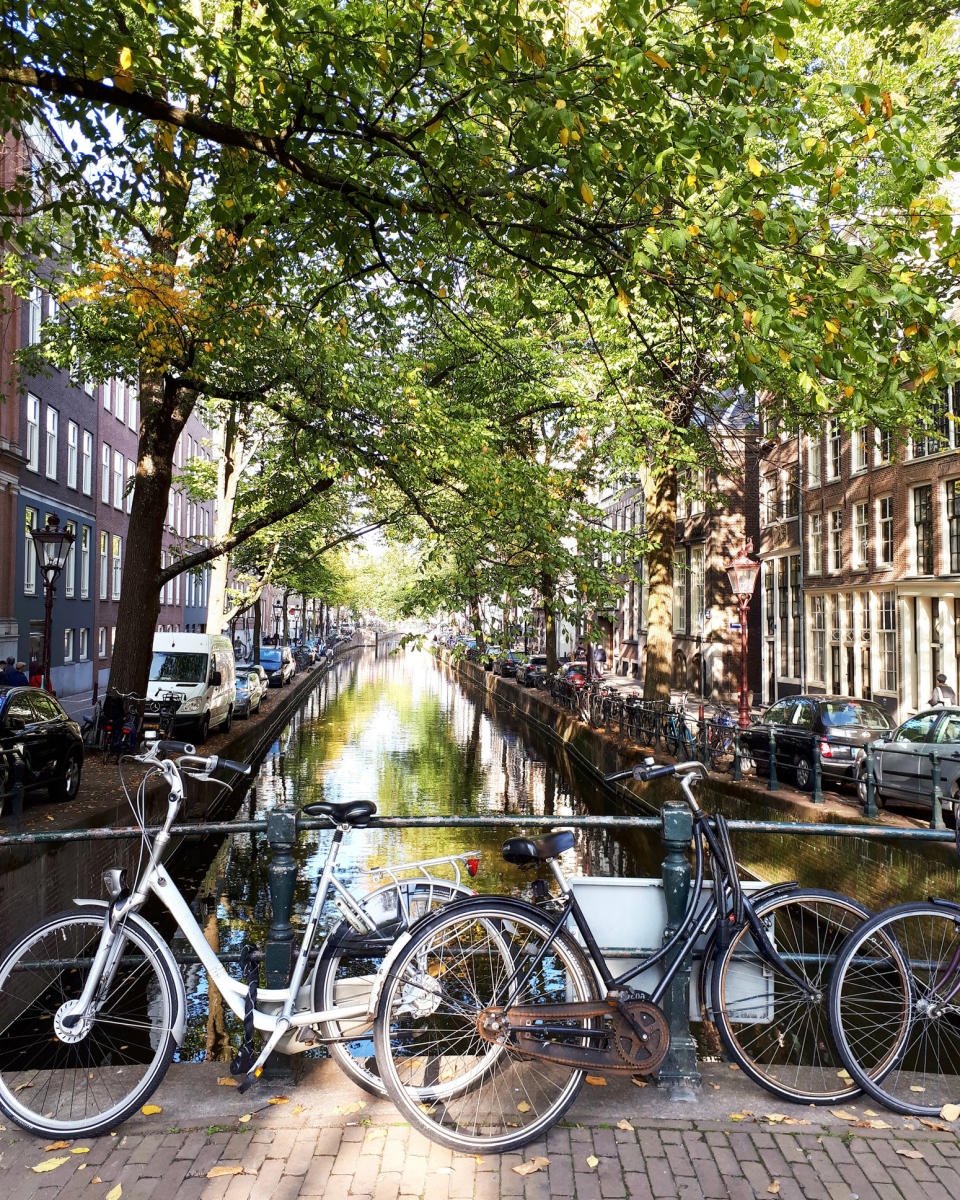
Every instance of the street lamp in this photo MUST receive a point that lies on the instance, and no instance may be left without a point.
(52, 545)
(277, 614)
(742, 573)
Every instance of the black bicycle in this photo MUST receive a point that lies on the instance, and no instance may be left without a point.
(492, 1014)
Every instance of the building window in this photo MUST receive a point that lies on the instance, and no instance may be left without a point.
(86, 459)
(885, 531)
(923, 528)
(861, 535)
(33, 433)
(29, 554)
(132, 406)
(834, 449)
(106, 394)
(102, 642)
(116, 558)
(816, 543)
(131, 471)
(53, 441)
(104, 564)
(884, 447)
(105, 473)
(887, 610)
(680, 578)
(941, 433)
(83, 652)
(70, 566)
(790, 497)
(818, 638)
(118, 399)
(73, 451)
(697, 573)
(34, 315)
(835, 517)
(814, 460)
(117, 479)
(795, 612)
(783, 614)
(85, 562)
(861, 449)
(953, 524)
(68, 645)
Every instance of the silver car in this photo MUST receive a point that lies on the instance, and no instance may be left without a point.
(903, 770)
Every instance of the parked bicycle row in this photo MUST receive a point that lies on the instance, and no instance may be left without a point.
(486, 1013)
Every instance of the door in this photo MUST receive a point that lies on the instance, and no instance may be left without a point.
(902, 758)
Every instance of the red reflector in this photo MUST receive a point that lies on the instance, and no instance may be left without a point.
(473, 866)
(825, 750)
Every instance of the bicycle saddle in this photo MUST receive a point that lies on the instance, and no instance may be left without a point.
(524, 852)
(344, 812)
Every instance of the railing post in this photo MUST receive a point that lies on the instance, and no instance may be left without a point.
(936, 812)
(817, 776)
(870, 805)
(281, 876)
(679, 1072)
(772, 785)
(737, 757)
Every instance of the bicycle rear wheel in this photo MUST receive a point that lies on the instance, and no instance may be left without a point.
(777, 1030)
(895, 1007)
(460, 1089)
(57, 1081)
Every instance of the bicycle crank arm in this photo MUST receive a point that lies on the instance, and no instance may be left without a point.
(636, 1034)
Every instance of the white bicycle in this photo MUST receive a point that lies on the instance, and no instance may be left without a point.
(93, 1005)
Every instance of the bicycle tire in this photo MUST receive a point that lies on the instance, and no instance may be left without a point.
(776, 1035)
(466, 1093)
(899, 1039)
(671, 738)
(68, 1088)
(348, 957)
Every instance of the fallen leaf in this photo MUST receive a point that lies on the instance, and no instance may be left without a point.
(774, 1187)
(298, 1108)
(114, 1193)
(531, 1165)
(523, 1106)
(910, 1154)
(876, 1123)
(216, 1172)
(625, 1125)
(346, 1109)
(21, 1087)
(151, 1110)
(935, 1125)
(843, 1073)
(950, 1112)
(592, 1160)
(868, 1112)
(57, 1146)
(96, 1179)
(639, 1082)
(734, 1067)
(774, 1118)
(596, 1080)
(244, 1119)
(715, 1086)
(916, 1088)
(80, 1150)
(843, 1114)
(81, 1166)
(49, 1164)
(228, 1081)
(738, 1116)
(286, 1100)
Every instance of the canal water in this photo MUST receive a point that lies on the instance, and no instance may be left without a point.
(402, 731)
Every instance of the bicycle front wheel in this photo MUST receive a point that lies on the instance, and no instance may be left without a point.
(84, 1080)
(895, 1007)
(467, 1091)
(775, 1024)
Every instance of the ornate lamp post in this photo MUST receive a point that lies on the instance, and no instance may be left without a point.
(52, 545)
(742, 573)
(277, 614)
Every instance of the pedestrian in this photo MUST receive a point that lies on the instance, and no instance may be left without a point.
(9, 670)
(600, 659)
(943, 693)
(19, 677)
(36, 676)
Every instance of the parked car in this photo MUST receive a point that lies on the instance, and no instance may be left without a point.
(250, 688)
(278, 663)
(489, 656)
(533, 673)
(838, 726)
(902, 767)
(39, 742)
(260, 670)
(574, 673)
(302, 657)
(507, 662)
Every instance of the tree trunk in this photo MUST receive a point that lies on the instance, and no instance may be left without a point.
(547, 591)
(165, 409)
(227, 444)
(286, 620)
(473, 608)
(662, 531)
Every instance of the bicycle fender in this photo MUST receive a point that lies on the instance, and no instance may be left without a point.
(163, 951)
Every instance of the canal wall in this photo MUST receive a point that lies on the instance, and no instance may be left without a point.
(877, 873)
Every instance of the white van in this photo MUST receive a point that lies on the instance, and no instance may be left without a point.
(198, 669)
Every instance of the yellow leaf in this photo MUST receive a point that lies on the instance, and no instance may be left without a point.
(564, 136)
(780, 48)
(814, 3)
(910, 330)
(434, 127)
(835, 188)
(587, 193)
(658, 59)
(848, 391)
(638, 1082)
(592, 1160)
(523, 1107)
(774, 1187)
(80, 1150)
(151, 1110)
(717, 289)
(754, 167)
(531, 1165)
(123, 80)
(596, 1080)
(738, 1116)
(57, 1146)
(354, 1106)
(49, 1164)
(844, 1115)
(245, 1118)
(623, 304)
(216, 1172)
(950, 1112)
(625, 1125)
(870, 133)
(832, 326)
(228, 1081)
(428, 40)
(561, 104)
(114, 1193)
(126, 58)
(785, 355)
(279, 1100)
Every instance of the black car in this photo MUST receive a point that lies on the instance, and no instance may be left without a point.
(838, 726)
(39, 743)
(507, 662)
(533, 673)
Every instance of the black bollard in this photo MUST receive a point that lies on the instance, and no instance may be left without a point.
(870, 804)
(772, 784)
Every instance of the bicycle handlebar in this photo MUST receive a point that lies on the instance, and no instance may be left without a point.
(166, 746)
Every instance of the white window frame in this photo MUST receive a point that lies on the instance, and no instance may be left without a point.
(880, 559)
(861, 534)
(814, 460)
(859, 451)
(68, 645)
(32, 448)
(834, 450)
(104, 564)
(85, 538)
(102, 641)
(34, 316)
(815, 544)
(834, 541)
(31, 519)
(105, 472)
(86, 463)
(118, 479)
(73, 453)
(70, 565)
(131, 472)
(52, 442)
(116, 565)
(83, 649)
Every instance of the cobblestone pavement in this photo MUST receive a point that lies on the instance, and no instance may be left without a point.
(318, 1143)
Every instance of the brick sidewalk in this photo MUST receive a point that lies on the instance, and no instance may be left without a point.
(321, 1142)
